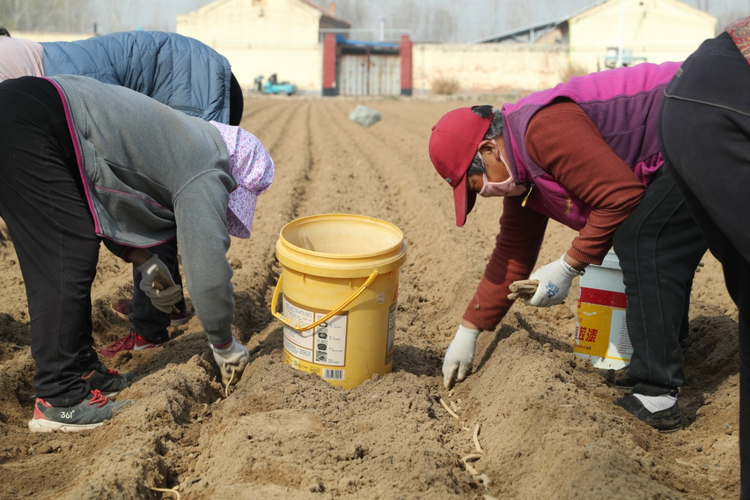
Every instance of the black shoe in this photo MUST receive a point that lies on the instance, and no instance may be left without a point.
(620, 379)
(664, 420)
(108, 382)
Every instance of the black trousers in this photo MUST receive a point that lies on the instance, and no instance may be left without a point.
(659, 247)
(43, 205)
(704, 134)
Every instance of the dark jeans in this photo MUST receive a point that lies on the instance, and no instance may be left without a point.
(146, 320)
(659, 247)
(704, 134)
(42, 203)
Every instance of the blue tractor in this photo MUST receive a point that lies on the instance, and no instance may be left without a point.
(272, 86)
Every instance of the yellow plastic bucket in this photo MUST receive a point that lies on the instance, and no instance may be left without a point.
(601, 331)
(339, 287)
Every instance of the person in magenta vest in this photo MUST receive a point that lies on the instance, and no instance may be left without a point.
(586, 154)
(704, 125)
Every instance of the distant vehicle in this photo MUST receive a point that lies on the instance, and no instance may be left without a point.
(283, 88)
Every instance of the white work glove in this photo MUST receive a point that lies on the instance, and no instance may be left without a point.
(554, 283)
(158, 284)
(459, 355)
(232, 361)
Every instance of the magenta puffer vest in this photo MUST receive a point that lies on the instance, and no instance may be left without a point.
(622, 103)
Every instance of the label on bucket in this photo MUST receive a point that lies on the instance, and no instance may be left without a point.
(324, 344)
(324, 373)
(601, 329)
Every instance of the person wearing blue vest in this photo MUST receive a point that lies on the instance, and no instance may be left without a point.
(584, 153)
(176, 70)
(179, 71)
(704, 132)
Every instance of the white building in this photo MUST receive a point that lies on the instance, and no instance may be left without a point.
(263, 37)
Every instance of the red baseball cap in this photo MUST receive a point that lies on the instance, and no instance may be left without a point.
(453, 144)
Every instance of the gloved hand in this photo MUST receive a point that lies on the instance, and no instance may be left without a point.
(232, 361)
(554, 283)
(459, 355)
(158, 284)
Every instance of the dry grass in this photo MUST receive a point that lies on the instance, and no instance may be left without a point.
(445, 85)
(572, 70)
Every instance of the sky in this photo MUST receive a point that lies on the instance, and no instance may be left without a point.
(425, 20)
(153, 15)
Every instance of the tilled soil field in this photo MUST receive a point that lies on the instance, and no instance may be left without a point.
(547, 425)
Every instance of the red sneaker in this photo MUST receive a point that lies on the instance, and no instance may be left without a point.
(122, 307)
(130, 342)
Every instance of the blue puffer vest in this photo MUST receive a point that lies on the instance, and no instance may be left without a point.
(178, 71)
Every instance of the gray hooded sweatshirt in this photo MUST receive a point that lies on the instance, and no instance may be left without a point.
(151, 173)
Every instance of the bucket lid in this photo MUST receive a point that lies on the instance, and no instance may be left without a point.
(611, 261)
(341, 245)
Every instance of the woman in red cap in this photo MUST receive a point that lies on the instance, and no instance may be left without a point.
(586, 154)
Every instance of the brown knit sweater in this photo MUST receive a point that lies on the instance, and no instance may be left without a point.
(564, 142)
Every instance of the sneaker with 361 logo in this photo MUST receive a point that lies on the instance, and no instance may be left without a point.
(109, 382)
(89, 413)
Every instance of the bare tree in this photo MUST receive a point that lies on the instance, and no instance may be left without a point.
(442, 25)
(468, 20)
(356, 13)
(728, 18)
(45, 15)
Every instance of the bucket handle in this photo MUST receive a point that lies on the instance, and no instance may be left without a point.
(336, 310)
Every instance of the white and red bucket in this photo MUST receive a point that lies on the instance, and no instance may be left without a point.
(601, 332)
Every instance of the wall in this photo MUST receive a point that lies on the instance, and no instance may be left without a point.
(261, 37)
(654, 30)
(489, 67)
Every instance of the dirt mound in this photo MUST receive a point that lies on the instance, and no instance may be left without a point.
(546, 424)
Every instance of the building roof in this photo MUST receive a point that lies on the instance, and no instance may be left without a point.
(328, 14)
(530, 34)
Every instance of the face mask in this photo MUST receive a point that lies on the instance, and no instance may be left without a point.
(506, 188)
